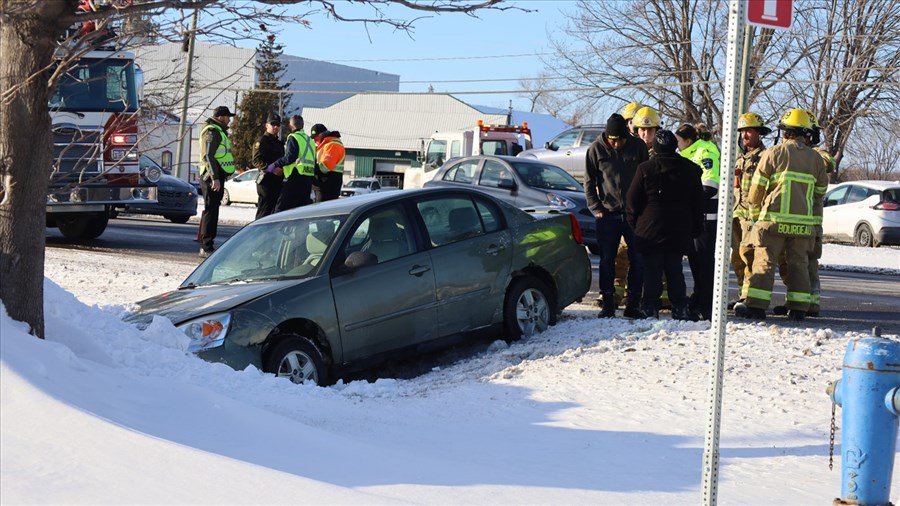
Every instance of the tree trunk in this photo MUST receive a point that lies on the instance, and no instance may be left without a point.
(26, 51)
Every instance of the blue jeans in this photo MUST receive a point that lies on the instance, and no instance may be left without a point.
(610, 229)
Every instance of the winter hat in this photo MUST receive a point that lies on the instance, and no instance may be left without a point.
(616, 127)
(317, 129)
(664, 142)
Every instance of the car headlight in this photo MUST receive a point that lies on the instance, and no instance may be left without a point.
(555, 200)
(207, 332)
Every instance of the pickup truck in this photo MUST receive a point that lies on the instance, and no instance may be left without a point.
(360, 186)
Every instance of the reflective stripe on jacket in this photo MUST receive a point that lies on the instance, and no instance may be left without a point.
(706, 155)
(223, 153)
(789, 179)
(305, 163)
(745, 167)
(331, 155)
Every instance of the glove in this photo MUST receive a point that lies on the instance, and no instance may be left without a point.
(270, 168)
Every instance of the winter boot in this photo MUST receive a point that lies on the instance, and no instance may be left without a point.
(780, 310)
(608, 311)
(634, 312)
(796, 315)
(751, 313)
(733, 303)
(681, 312)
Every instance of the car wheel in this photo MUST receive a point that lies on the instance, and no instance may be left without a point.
(178, 218)
(226, 198)
(527, 309)
(297, 359)
(864, 236)
(82, 225)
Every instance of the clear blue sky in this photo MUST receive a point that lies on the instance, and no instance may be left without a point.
(457, 38)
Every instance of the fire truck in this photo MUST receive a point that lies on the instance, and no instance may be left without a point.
(93, 112)
(482, 139)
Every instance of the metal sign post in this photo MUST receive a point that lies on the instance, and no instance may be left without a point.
(730, 113)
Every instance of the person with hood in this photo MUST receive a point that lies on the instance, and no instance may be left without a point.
(216, 164)
(329, 161)
(664, 206)
(611, 162)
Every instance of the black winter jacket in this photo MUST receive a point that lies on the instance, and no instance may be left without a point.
(666, 204)
(608, 173)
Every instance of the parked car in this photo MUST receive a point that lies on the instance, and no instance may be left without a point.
(176, 199)
(314, 291)
(522, 182)
(360, 186)
(241, 188)
(568, 150)
(866, 213)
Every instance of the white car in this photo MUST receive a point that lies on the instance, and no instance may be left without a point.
(360, 186)
(241, 188)
(568, 150)
(866, 213)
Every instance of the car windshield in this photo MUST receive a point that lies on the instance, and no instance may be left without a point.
(358, 183)
(287, 249)
(546, 176)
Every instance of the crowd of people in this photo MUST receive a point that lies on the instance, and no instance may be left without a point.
(654, 193)
(288, 172)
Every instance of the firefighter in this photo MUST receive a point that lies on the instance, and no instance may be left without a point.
(695, 143)
(216, 164)
(645, 125)
(628, 113)
(751, 129)
(815, 286)
(784, 217)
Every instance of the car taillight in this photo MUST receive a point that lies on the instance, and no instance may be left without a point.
(576, 229)
(887, 206)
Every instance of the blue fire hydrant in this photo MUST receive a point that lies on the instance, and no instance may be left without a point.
(869, 396)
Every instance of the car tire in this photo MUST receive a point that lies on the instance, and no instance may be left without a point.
(82, 225)
(178, 218)
(297, 359)
(226, 198)
(863, 236)
(527, 308)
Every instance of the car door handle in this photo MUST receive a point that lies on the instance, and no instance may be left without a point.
(494, 250)
(418, 270)
(568, 152)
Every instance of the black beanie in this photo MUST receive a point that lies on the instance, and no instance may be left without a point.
(616, 126)
(317, 129)
(664, 142)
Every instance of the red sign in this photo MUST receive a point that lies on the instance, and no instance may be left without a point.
(776, 14)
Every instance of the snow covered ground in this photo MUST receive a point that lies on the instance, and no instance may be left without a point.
(588, 412)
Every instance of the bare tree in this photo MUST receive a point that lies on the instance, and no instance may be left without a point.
(30, 31)
(850, 54)
(874, 152)
(841, 59)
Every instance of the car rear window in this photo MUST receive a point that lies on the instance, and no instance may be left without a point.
(892, 195)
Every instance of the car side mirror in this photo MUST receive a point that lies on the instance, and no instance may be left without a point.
(507, 184)
(359, 259)
(551, 146)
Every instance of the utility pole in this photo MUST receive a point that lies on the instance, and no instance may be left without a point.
(180, 171)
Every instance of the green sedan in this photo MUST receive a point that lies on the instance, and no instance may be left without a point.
(321, 290)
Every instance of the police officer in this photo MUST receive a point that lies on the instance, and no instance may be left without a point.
(216, 164)
(752, 129)
(297, 165)
(695, 144)
(784, 218)
(266, 150)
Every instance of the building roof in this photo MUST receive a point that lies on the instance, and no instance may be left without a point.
(396, 121)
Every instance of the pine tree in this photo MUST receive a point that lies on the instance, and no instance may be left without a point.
(251, 117)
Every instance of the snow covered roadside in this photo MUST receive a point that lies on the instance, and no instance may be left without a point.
(589, 412)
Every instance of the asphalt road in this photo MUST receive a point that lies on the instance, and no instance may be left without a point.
(851, 301)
